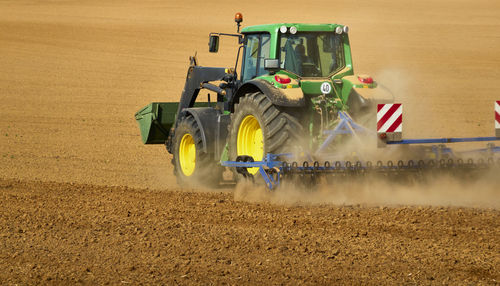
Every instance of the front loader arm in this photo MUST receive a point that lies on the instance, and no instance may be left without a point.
(196, 76)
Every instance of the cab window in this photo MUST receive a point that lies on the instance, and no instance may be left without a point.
(257, 49)
(312, 54)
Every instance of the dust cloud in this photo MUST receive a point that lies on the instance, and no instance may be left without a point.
(481, 190)
(445, 190)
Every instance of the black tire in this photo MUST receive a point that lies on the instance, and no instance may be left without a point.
(281, 129)
(207, 172)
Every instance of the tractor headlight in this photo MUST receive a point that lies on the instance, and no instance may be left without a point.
(283, 29)
(346, 29)
(338, 30)
(293, 30)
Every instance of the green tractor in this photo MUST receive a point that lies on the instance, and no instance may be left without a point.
(289, 88)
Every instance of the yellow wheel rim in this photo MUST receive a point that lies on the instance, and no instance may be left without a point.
(187, 154)
(250, 140)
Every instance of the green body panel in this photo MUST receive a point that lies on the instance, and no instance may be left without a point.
(313, 87)
(157, 118)
(350, 82)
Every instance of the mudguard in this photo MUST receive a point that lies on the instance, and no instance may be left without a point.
(292, 97)
(359, 96)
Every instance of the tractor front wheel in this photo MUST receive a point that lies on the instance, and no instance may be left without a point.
(193, 166)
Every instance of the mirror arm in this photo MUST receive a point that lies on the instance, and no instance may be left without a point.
(239, 36)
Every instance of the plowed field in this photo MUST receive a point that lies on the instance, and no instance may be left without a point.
(83, 201)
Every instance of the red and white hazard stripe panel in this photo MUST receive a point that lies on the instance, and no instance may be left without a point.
(389, 118)
(497, 118)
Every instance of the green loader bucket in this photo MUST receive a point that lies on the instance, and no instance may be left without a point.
(157, 118)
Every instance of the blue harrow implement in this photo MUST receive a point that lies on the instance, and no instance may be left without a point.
(438, 159)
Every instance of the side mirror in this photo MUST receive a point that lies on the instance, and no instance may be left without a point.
(213, 44)
(272, 65)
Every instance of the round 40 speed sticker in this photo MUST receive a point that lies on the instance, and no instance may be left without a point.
(326, 87)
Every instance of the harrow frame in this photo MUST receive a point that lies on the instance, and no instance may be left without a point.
(272, 170)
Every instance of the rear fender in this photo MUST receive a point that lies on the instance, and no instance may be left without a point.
(292, 97)
(359, 96)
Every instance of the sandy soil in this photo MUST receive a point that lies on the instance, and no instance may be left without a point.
(84, 201)
(63, 232)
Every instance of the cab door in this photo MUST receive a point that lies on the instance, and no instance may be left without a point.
(256, 49)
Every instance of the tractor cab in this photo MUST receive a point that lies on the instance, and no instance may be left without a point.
(303, 50)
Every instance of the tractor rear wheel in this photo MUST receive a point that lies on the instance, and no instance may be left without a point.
(193, 166)
(259, 127)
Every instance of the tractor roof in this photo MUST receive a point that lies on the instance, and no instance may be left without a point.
(274, 28)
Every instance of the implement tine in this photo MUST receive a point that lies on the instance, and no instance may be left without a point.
(311, 173)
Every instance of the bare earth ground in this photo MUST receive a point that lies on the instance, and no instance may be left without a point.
(62, 232)
(84, 201)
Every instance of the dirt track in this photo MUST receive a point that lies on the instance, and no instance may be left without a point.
(73, 169)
